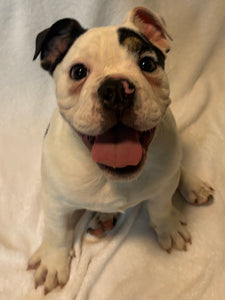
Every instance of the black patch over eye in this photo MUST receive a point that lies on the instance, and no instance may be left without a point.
(78, 72)
(147, 64)
(138, 44)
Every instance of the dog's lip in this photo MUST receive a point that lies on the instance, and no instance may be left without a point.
(145, 138)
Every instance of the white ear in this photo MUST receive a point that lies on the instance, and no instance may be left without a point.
(151, 25)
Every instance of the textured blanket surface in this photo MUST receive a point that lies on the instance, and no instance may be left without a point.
(128, 264)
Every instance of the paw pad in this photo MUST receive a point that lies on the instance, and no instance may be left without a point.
(102, 223)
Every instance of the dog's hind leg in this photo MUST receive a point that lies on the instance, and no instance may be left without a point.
(195, 190)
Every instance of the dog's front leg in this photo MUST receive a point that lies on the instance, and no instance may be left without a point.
(53, 258)
(167, 221)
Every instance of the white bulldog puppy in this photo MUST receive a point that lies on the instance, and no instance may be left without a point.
(112, 142)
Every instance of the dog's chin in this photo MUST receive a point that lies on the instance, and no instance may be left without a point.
(122, 170)
(126, 173)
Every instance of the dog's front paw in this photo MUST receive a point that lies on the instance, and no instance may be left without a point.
(172, 232)
(52, 267)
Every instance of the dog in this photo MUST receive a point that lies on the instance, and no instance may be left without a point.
(112, 141)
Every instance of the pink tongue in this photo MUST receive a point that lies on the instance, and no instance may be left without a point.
(119, 147)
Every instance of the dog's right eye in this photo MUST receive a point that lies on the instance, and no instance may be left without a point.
(78, 72)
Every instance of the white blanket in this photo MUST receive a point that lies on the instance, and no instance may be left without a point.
(128, 264)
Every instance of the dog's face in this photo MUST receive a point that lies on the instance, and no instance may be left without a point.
(111, 85)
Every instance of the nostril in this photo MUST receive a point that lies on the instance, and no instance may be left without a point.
(108, 93)
(129, 88)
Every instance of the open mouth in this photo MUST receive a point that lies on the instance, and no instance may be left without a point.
(120, 151)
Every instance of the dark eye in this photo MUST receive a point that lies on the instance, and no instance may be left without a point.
(147, 64)
(78, 72)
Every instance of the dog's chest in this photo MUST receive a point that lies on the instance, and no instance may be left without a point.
(81, 185)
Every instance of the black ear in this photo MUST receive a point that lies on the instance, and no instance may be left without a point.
(54, 42)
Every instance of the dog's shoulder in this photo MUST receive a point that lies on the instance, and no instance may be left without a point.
(165, 147)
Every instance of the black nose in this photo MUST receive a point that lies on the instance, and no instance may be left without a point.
(116, 94)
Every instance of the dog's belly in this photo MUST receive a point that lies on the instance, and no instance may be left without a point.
(69, 173)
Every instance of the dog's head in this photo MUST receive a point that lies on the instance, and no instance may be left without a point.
(111, 85)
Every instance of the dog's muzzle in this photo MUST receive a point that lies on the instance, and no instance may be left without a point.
(121, 150)
(116, 94)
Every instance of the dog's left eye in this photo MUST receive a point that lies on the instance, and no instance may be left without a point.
(78, 72)
(147, 64)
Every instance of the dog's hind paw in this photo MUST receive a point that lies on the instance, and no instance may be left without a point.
(201, 194)
(102, 223)
(194, 190)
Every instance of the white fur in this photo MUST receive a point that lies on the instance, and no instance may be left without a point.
(72, 181)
